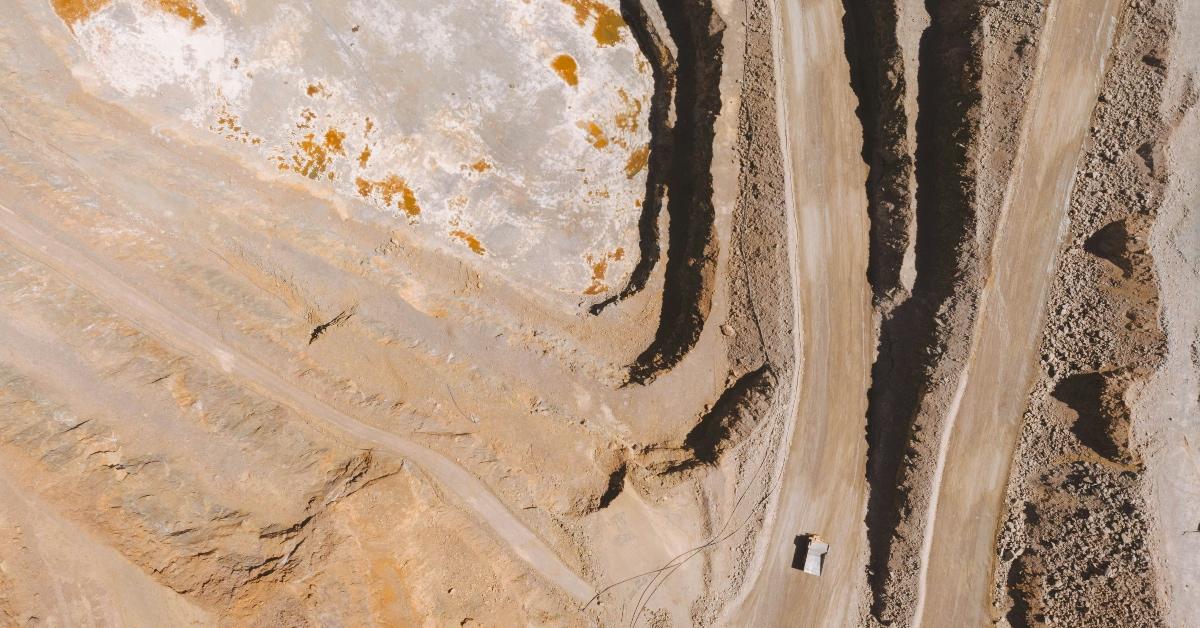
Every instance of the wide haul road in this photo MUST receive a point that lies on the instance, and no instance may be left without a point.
(824, 484)
(984, 419)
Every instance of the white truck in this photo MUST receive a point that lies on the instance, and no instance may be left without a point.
(810, 554)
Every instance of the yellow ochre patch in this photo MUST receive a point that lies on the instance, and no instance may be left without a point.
(628, 119)
(73, 11)
(609, 23)
(600, 269)
(637, 160)
(596, 136)
(227, 124)
(185, 9)
(312, 157)
(566, 68)
(471, 241)
(393, 190)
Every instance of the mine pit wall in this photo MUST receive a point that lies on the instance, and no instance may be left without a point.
(725, 456)
(973, 66)
(654, 42)
(751, 308)
(1079, 538)
(684, 44)
(753, 327)
(882, 48)
(756, 316)
(692, 248)
(925, 337)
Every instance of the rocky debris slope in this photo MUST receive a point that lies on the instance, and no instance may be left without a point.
(1079, 538)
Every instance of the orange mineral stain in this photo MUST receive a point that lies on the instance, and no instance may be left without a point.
(566, 68)
(629, 119)
(393, 190)
(471, 241)
(637, 161)
(364, 156)
(600, 269)
(315, 89)
(596, 135)
(364, 186)
(312, 158)
(228, 125)
(72, 11)
(306, 117)
(333, 139)
(185, 9)
(481, 166)
(227, 121)
(607, 29)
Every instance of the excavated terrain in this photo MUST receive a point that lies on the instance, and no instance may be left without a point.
(599, 313)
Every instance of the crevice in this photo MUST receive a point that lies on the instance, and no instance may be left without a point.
(697, 31)
(342, 317)
(912, 337)
(616, 482)
(877, 76)
(663, 69)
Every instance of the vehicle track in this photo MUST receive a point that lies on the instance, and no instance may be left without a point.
(42, 244)
(984, 418)
(824, 487)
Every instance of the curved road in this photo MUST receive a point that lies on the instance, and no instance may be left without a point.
(823, 489)
(28, 235)
(824, 483)
(984, 421)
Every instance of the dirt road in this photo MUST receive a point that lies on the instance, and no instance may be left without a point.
(823, 488)
(985, 415)
(25, 232)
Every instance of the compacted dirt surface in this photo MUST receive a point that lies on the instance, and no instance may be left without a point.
(600, 313)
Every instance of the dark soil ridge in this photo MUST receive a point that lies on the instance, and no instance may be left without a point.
(663, 68)
(913, 338)
(690, 272)
(879, 81)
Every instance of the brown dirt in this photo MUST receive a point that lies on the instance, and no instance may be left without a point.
(633, 437)
(1077, 544)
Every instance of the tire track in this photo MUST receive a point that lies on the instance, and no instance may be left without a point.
(983, 421)
(175, 328)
